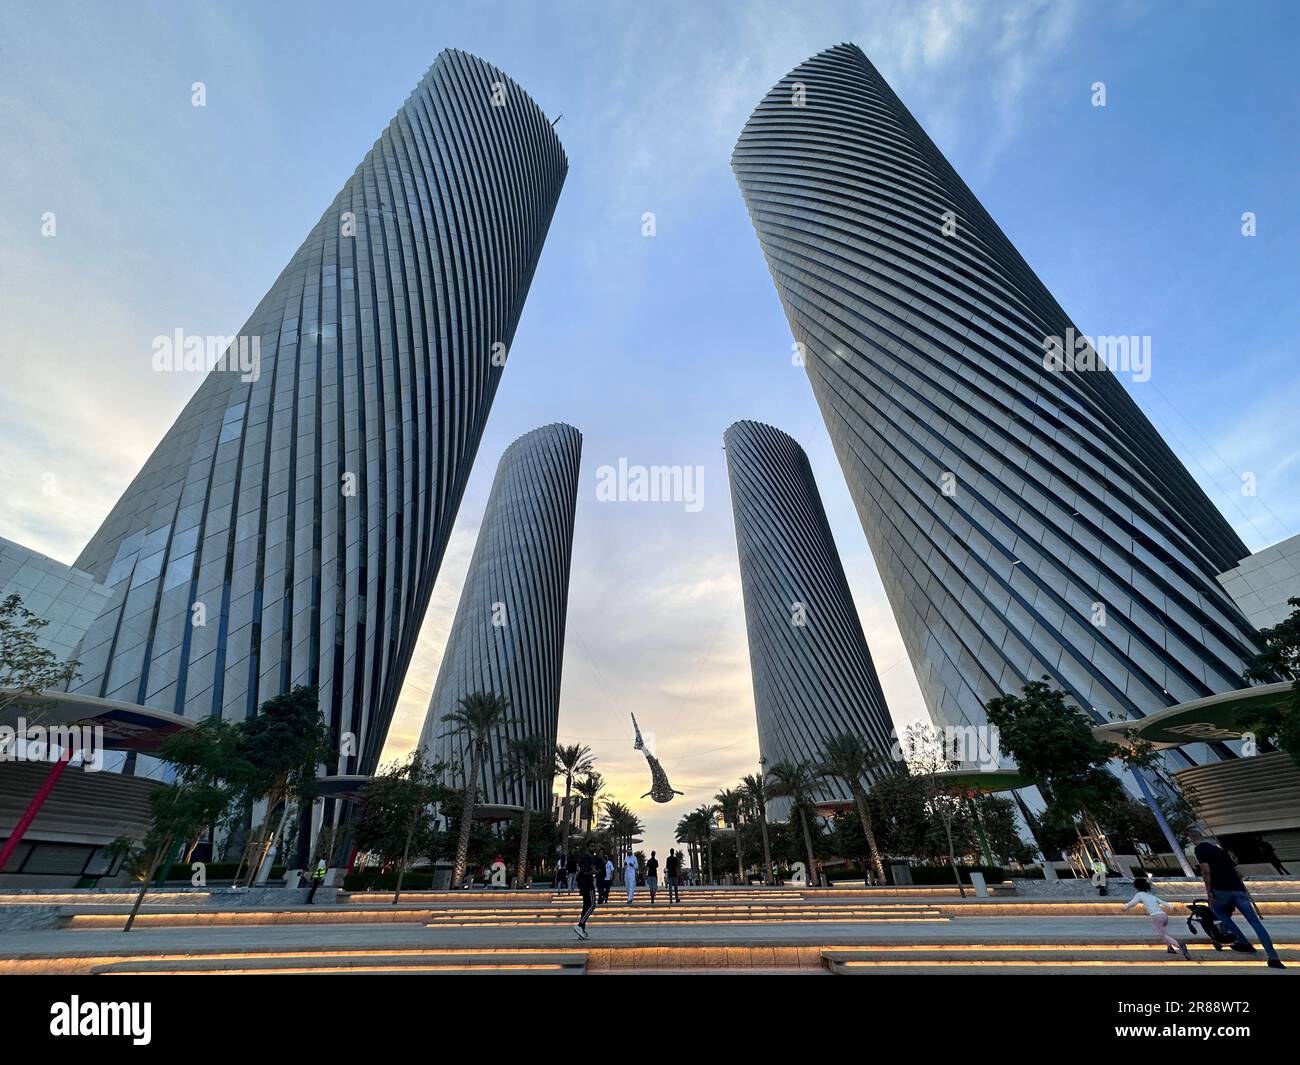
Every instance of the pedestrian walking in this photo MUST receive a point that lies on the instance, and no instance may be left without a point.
(317, 879)
(652, 876)
(1156, 908)
(630, 868)
(585, 874)
(672, 869)
(1227, 893)
(1099, 876)
(606, 871)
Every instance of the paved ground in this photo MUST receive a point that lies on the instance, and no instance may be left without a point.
(68, 942)
(747, 932)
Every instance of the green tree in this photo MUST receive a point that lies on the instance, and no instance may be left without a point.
(208, 771)
(622, 826)
(848, 840)
(283, 745)
(528, 760)
(798, 782)
(848, 757)
(589, 789)
(755, 789)
(731, 804)
(395, 812)
(1053, 744)
(475, 716)
(899, 816)
(786, 845)
(26, 668)
(543, 837)
(690, 832)
(484, 844)
(571, 762)
(1279, 660)
(928, 762)
(706, 817)
(998, 814)
(1133, 825)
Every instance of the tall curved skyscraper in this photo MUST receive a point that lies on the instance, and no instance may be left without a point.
(508, 634)
(289, 527)
(813, 675)
(1026, 520)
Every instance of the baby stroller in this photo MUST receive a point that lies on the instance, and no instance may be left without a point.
(1205, 917)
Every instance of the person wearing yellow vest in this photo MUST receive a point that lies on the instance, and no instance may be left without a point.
(317, 878)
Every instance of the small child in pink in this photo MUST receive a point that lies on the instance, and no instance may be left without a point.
(1155, 908)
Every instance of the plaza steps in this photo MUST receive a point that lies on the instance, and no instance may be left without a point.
(690, 895)
(879, 958)
(516, 916)
(355, 963)
(307, 961)
(622, 915)
(900, 959)
(524, 910)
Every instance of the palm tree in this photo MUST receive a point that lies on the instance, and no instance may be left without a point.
(691, 830)
(630, 827)
(475, 716)
(528, 759)
(732, 803)
(686, 833)
(797, 781)
(848, 757)
(755, 790)
(612, 823)
(622, 825)
(571, 761)
(705, 818)
(590, 788)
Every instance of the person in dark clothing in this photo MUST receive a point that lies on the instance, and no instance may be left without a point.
(672, 869)
(1227, 892)
(652, 876)
(587, 866)
(604, 874)
(1270, 856)
(560, 876)
(317, 879)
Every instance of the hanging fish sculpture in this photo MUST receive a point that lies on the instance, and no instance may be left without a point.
(660, 789)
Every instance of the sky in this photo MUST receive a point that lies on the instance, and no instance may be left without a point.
(170, 216)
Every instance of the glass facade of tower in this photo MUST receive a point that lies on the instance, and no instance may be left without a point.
(289, 527)
(508, 635)
(1027, 520)
(813, 675)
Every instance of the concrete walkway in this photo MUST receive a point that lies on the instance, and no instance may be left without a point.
(708, 933)
(989, 930)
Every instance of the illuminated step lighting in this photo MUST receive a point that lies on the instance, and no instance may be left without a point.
(677, 915)
(835, 920)
(357, 970)
(105, 899)
(706, 914)
(637, 919)
(387, 952)
(472, 916)
(1023, 963)
(1008, 947)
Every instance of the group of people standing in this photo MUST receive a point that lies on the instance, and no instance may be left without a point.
(593, 874)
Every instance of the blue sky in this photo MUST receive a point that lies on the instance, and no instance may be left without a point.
(170, 216)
